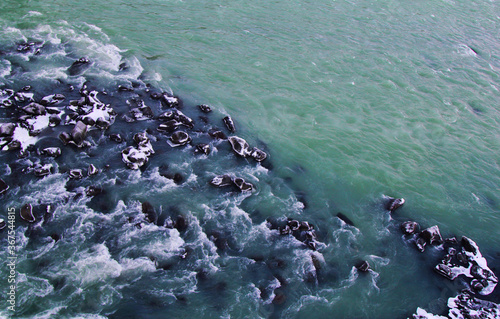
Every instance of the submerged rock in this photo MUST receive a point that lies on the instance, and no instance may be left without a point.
(51, 151)
(27, 213)
(150, 213)
(345, 219)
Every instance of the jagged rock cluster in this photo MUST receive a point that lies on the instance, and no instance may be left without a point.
(302, 231)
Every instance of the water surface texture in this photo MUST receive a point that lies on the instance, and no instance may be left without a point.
(351, 100)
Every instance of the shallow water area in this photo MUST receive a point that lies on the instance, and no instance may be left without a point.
(351, 101)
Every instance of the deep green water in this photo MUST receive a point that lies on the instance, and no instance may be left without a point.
(353, 100)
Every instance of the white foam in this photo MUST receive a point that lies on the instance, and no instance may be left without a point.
(422, 314)
(22, 135)
(96, 264)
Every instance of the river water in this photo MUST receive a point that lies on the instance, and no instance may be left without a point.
(352, 101)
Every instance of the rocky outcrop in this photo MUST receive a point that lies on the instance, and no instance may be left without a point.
(241, 148)
(136, 157)
(226, 180)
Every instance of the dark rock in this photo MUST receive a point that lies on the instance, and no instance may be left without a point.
(421, 243)
(410, 228)
(27, 213)
(52, 99)
(142, 113)
(222, 181)
(469, 245)
(134, 158)
(22, 97)
(168, 100)
(79, 133)
(55, 237)
(242, 185)
(43, 170)
(116, 138)
(88, 121)
(93, 191)
(75, 174)
(258, 155)
(3, 223)
(432, 235)
(178, 178)
(279, 298)
(7, 129)
(180, 138)
(181, 224)
(205, 108)
(102, 124)
(92, 170)
(54, 120)
(3, 186)
(217, 134)
(305, 226)
(169, 126)
(294, 225)
(240, 146)
(34, 109)
(345, 219)
(203, 148)
(228, 121)
(149, 211)
(363, 266)
(51, 151)
(79, 66)
(65, 137)
(394, 203)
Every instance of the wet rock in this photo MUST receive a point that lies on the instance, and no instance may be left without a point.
(150, 213)
(217, 134)
(222, 181)
(181, 223)
(432, 235)
(7, 129)
(363, 266)
(3, 186)
(51, 151)
(22, 97)
(134, 158)
(258, 155)
(410, 228)
(228, 121)
(75, 174)
(65, 137)
(27, 213)
(240, 146)
(34, 109)
(180, 138)
(116, 138)
(54, 120)
(79, 133)
(242, 185)
(3, 223)
(102, 124)
(169, 100)
(203, 148)
(92, 170)
(175, 117)
(345, 219)
(169, 126)
(93, 191)
(52, 99)
(44, 170)
(142, 112)
(79, 66)
(394, 203)
(205, 108)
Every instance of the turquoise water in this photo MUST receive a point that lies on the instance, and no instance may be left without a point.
(352, 100)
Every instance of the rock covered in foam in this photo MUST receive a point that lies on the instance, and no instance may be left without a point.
(79, 66)
(226, 180)
(228, 121)
(464, 306)
(466, 259)
(136, 157)
(430, 236)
